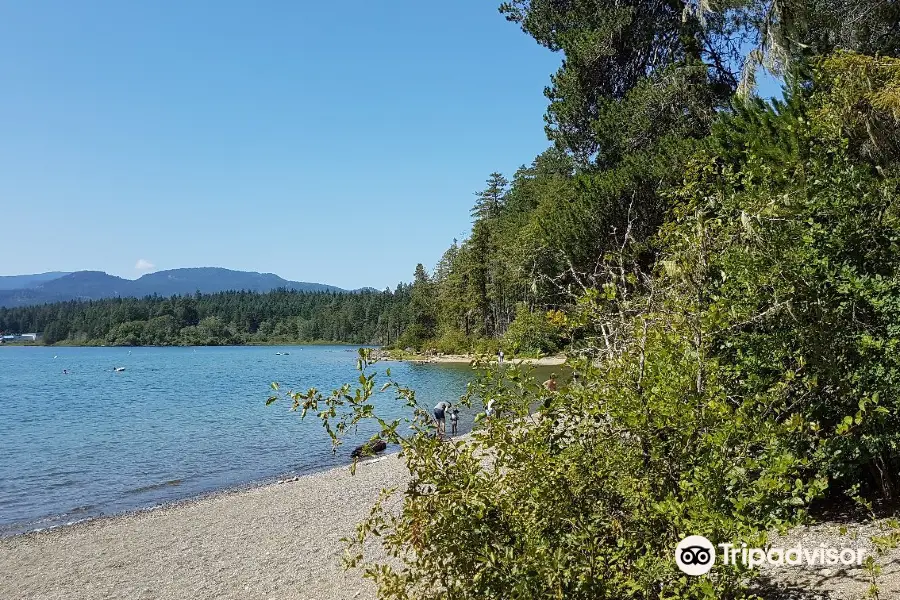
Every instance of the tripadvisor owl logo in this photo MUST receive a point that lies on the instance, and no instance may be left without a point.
(695, 555)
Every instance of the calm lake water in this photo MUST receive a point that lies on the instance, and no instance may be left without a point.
(176, 423)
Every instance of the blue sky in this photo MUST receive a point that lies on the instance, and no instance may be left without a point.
(331, 142)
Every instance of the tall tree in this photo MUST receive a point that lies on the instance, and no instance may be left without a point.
(610, 47)
(422, 305)
(490, 201)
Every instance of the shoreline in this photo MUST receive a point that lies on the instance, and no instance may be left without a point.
(544, 361)
(211, 494)
(247, 345)
(16, 530)
(271, 540)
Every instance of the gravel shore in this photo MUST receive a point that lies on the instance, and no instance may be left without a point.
(805, 582)
(276, 541)
(282, 541)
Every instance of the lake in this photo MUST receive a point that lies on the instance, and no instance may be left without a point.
(176, 423)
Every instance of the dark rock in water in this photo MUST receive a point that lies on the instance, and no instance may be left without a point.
(369, 448)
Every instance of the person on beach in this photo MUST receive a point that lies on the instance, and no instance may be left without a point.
(440, 416)
(454, 420)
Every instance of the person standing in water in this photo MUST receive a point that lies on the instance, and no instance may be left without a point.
(454, 420)
(550, 384)
(440, 416)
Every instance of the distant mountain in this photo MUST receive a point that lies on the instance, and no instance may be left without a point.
(93, 285)
(214, 279)
(18, 282)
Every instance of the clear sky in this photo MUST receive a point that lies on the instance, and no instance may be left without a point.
(331, 142)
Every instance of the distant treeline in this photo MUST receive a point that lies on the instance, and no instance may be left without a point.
(219, 319)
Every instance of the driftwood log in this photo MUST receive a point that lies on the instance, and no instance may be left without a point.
(369, 448)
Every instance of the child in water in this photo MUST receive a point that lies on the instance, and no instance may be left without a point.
(454, 420)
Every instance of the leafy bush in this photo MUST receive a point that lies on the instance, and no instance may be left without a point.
(587, 497)
(452, 341)
(414, 336)
(487, 346)
(801, 243)
(531, 333)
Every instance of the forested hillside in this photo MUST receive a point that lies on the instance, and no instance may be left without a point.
(728, 270)
(215, 319)
(97, 285)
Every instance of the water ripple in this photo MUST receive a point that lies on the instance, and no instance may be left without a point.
(176, 424)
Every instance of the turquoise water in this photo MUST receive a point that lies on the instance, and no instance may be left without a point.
(176, 423)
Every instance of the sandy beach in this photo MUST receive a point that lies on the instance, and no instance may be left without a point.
(546, 361)
(276, 541)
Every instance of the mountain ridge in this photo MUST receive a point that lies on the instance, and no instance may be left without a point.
(16, 282)
(44, 288)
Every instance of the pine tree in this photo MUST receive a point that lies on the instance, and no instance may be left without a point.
(489, 202)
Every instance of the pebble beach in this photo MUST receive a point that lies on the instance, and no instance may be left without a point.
(283, 541)
(279, 541)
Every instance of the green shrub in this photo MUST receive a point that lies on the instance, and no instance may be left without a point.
(486, 346)
(588, 497)
(452, 341)
(531, 333)
(801, 250)
(414, 336)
